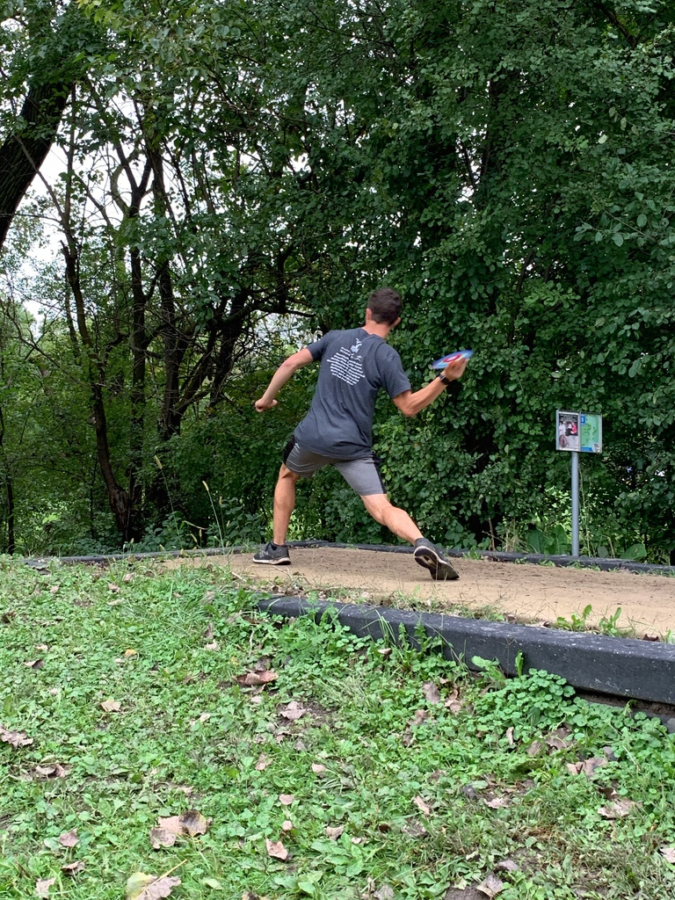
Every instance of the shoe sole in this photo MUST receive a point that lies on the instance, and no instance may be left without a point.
(286, 561)
(440, 569)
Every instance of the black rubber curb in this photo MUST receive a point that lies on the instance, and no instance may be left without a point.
(605, 565)
(614, 667)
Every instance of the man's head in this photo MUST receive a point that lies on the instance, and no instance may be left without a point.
(385, 307)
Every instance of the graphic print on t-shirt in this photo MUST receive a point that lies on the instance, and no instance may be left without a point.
(346, 365)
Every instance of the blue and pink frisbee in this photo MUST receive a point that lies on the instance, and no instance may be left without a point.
(451, 357)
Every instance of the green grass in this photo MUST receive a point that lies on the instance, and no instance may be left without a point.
(128, 768)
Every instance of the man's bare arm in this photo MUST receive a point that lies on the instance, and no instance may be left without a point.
(411, 403)
(284, 373)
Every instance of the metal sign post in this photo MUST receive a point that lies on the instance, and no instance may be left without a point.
(577, 433)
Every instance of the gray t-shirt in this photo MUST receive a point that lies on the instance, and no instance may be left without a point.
(354, 366)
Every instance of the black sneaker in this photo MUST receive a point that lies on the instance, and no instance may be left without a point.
(273, 556)
(432, 559)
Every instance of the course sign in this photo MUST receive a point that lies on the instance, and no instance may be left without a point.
(580, 432)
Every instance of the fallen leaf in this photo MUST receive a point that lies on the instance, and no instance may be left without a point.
(415, 829)
(431, 692)
(253, 677)
(127, 578)
(286, 799)
(162, 837)
(668, 853)
(384, 893)
(300, 746)
(497, 802)
(74, 868)
(55, 589)
(113, 588)
(420, 715)
(574, 768)
(384, 651)
(277, 850)
(43, 648)
(257, 699)
(69, 838)
(491, 886)
(535, 748)
(204, 717)
(34, 663)
(42, 887)
(358, 840)
(149, 887)
(509, 736)
(55, 771)
(15, 738)
(423, 807)
(334, 833)
(214, 645)
(130, 652)
(454, 706)
(507, 865)
(208, 634)
(194, 823)
(111, 706)
(171, 824)
(589, 766)
(287, 825)
(617, 810)
(293, 711)
(318, 769)
(263, 762)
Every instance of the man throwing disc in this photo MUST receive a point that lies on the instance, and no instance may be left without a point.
(337, 431)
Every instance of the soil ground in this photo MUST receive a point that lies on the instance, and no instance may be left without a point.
(529, 593)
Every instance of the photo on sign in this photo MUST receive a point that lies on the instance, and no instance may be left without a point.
(591, 433)
(568, 437)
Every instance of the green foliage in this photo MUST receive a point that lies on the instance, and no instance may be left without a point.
(189, 736)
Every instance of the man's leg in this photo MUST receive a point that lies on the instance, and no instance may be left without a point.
(395, 519)
(284, 503)
(398, 521)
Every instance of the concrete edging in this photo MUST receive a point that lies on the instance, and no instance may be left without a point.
(615, 667)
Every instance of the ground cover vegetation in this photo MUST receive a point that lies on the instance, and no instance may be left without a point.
(228, 179)
(155, 723)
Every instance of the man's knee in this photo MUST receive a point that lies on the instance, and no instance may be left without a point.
(285, 474)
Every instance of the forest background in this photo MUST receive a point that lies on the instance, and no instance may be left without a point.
(191, 190)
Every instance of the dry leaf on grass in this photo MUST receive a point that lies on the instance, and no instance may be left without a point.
(431, 692)
(415, 829)
(293, 711)
(420, 715)
(384, 893)
(286, 799)
(422, 806)
(491, 886)
(214, 645)
(455, 706)
(55, 589)
(53, 771)
(113, 588)
(69, 838)
(128, 577)
(617, 810)
(149, 887)
(588, 766)
(509, 736)
(334, 833)
(34, 664)
(111, 706)
(15, 738)
(318, 769)
(668, 853)
(276, 850)
(263, 762)
(497, 802)
(194, 823)
(287, 825)
(42, 887)
(253, 677)
(507, 865)
(74, 868)
(163, 837)
(535, 748)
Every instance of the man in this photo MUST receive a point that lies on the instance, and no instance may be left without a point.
(337, 431)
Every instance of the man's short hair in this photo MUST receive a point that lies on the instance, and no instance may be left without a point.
(385, 306)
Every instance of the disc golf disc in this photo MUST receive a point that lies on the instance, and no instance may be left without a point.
(444, 360)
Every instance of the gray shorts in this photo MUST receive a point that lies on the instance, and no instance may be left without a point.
(362, 475)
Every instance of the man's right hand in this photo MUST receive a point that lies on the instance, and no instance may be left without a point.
(262, 404)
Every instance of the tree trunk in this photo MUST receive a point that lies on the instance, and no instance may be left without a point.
(24, 150)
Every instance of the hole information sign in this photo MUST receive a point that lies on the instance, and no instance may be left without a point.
(580, 432)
